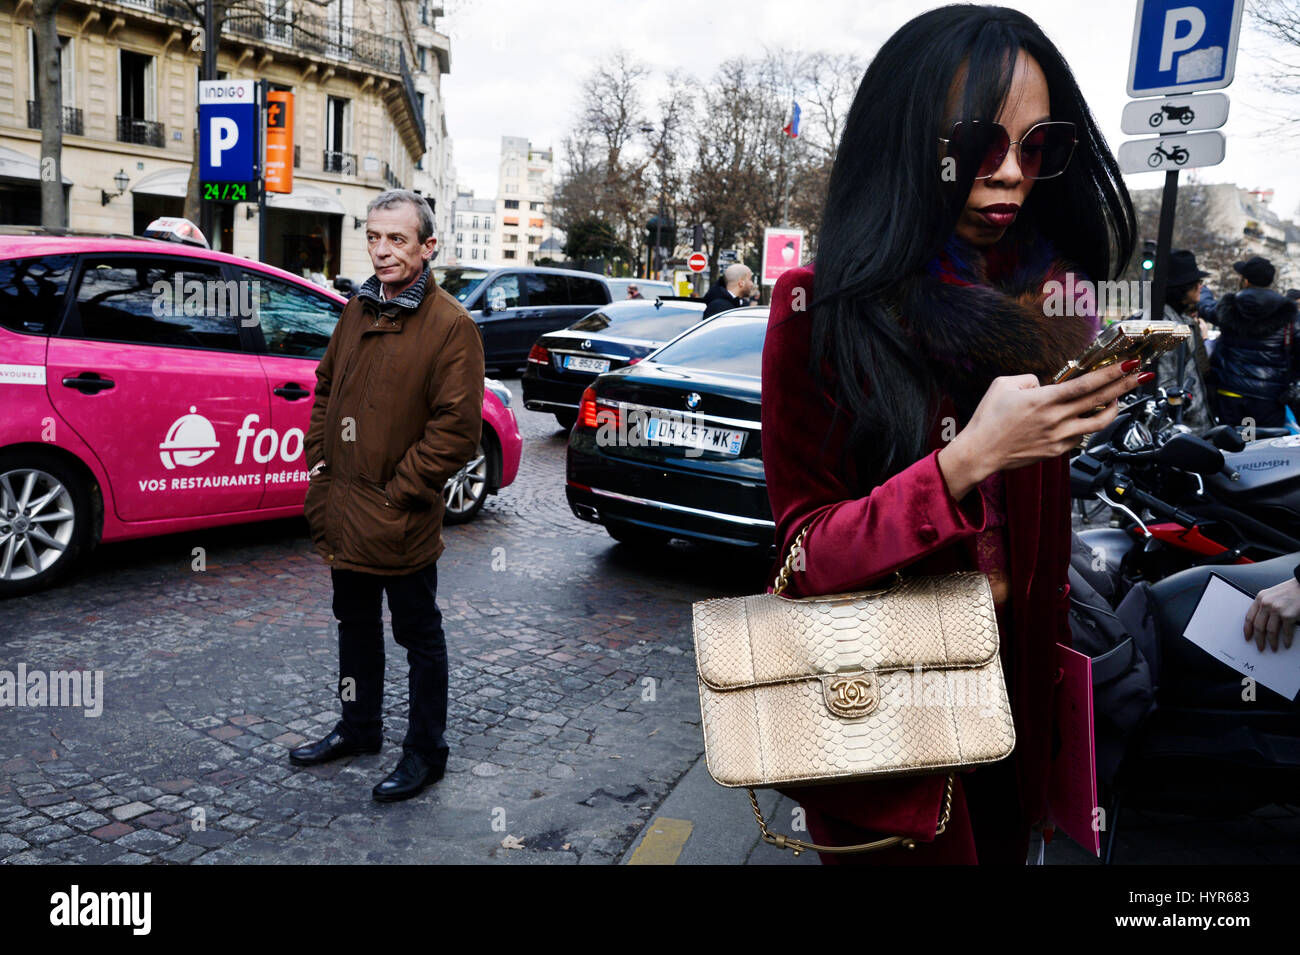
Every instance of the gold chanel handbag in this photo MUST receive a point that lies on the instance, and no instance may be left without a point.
(848, 687)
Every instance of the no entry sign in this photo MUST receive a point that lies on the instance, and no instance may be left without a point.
(698, 262)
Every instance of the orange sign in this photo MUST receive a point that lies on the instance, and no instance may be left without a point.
(279, 141)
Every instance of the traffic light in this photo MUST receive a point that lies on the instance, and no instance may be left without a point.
(1148, 254)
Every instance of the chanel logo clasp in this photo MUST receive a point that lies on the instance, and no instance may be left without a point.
(850, 695)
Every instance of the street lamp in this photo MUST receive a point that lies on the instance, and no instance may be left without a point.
(121, 181)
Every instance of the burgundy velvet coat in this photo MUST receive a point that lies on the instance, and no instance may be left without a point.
(911, 521)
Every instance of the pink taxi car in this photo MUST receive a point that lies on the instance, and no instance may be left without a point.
(148, 387)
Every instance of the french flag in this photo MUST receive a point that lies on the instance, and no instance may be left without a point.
(791, 128)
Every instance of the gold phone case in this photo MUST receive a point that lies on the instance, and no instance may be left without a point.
(1124, 340)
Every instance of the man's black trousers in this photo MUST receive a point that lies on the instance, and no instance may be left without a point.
(417, 626)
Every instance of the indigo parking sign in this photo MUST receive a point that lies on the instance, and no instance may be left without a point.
(227, 131)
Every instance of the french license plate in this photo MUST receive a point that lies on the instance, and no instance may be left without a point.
(583, 363)
(687, 434)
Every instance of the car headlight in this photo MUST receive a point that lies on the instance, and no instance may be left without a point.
(498, 389)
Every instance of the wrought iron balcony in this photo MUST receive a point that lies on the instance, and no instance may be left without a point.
(345, 163)
(313, 34)
(141, 132)
(72, 119)
(390, 177)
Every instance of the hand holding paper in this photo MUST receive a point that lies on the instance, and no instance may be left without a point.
(1216, 627)
(1273, 614)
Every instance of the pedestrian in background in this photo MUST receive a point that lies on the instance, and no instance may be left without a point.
(398, 410)
(1183, 368)
(1257, 356)
(634, 291)
(925, 309)
(732, 290)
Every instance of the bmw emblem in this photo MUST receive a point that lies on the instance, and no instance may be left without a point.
(693, 400)
(587, 343)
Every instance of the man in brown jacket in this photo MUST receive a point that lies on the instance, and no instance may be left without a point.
(398, 410)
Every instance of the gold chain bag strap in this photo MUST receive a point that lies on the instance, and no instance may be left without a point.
(901, 680)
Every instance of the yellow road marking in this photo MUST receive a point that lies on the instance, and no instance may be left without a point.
(663, 842)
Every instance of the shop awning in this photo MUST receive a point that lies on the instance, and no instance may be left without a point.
(305, 198)
(15, 165)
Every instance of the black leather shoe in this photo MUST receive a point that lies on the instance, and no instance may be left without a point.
(331, 747)
(410, 777)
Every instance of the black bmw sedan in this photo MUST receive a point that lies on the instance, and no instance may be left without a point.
(563, 363)
(671, 446)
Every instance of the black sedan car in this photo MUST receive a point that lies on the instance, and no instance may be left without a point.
(671, 446)
(563, 363)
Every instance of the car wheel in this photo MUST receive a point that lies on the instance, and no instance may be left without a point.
(467, 489)
(45, 518)
(636, 536)
(567, 419)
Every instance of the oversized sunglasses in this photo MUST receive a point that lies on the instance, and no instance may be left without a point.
(1043, 152)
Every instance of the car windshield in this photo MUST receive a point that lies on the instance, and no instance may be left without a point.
(459, 282)
(644, 322)
(732, 344)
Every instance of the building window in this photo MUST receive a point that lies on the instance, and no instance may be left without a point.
(509, 253)
(475, 225)
(338, 136)
(473, 253)
(460, 221)
(460, 252)
(513, 188)
(424, 61)
(512, 203)
(460, 236)
(535, 206)
(487, 223)
(474, 237)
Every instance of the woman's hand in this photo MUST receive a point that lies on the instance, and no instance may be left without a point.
(1019, 421)
(1273, 615)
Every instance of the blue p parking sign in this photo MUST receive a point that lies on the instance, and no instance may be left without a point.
(227, 131)
(1182, 46)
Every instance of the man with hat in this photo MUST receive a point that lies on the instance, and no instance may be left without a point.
(1257, 356)
(1180, 369)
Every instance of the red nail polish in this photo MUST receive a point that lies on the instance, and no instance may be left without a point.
(1146, 376)
(1129, 365)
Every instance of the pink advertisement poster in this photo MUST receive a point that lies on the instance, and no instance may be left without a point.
(782, 250)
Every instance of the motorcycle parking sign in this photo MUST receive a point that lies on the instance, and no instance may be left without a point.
(1176, 114)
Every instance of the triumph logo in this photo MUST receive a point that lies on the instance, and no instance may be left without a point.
(190, 441)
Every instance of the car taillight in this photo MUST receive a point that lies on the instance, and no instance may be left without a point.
(587, 408)
(633, 361)
(539, 354)
(592, 414)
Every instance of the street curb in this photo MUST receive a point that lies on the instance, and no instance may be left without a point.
(722, 827)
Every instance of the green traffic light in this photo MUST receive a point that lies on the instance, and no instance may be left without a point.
(1147, 264)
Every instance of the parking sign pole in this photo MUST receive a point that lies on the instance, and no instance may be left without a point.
(260, 153)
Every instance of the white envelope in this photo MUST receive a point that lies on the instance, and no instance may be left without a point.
(1216, 627)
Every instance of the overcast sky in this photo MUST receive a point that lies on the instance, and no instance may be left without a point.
(517, 66)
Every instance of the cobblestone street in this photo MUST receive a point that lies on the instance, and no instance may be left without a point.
(573, 709)
(573, 702)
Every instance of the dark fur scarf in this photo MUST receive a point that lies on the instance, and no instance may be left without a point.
(1012, 309)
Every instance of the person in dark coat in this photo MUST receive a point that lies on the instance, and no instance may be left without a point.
(908, 422)
(1257, 355)
(731, 291)
(1181, 368)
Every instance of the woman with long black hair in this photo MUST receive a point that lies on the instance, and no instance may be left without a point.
(907, 421)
